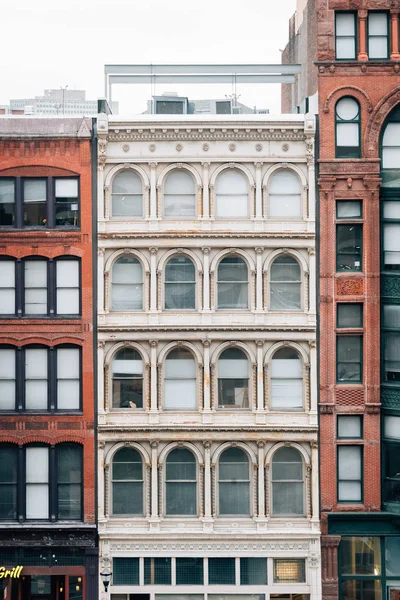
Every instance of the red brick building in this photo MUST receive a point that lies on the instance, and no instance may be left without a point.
(47, 401)
(357, 62)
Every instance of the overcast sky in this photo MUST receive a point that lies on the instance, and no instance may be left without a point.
(53, 43)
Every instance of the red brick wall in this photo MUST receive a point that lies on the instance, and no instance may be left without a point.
(39, 158)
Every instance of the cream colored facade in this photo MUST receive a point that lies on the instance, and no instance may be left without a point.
(256, 147)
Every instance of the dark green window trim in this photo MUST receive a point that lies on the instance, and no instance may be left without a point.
(386, 196)
(349, 258)
(371, 36)
(340, 306)
(352, 437)
(340, 37)
(339, 203)
(360, 481)
(348, 151)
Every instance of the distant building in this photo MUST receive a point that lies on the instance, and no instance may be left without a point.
(56, 102)
(170, 103)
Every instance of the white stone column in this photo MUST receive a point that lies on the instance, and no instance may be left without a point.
(260, 376)
(100, 193)
(259, 279)
(101, 481)
(154, 480)
(261, 483)
(153, 190)
(259, 210)
(312, 280)
(206, 279)
(313, 377)
(153, 376)
(314, 482)
(207, 376)
(100, 377)
(207, 480)
(101, 280)
(206, 190)
(311, 181)
(153, 279)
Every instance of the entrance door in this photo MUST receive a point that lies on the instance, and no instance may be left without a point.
(41, 587)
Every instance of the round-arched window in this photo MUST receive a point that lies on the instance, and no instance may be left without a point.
(285, 284)
(180, 380)
(287, 482)
(127, 482)
(179, 194)
(127, 285)
(180, 482)
(286, 380)
(233, 283)
(127, 379)
(127, 195)
(232, 194)
(347, 122)
(233, 379)
(234, 483)
(180, 284)
(284, 195)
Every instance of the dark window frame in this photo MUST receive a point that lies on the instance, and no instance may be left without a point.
(355, 253)
(357, 153)
(338, 202)
(337, 37)
(50, 204)
(350, 381)
(360, 481)
(52, 287)
(352, 437)
(51, 379)
(53, 457)
(388, 195)
(355, 327)
(387, 36)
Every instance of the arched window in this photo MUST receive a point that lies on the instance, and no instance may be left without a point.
(234, 483)
(390, 212)
(127, 482)
(180, 483)
(347, 123)
(127, 379)
(233, 379)
(232, 194)
(179, 194)
(287, 482)
(286, 380)
(180, 380)
(127, 284)
(284, 195)
(180, 284)
(233, 284)
(285, 284)
(127, 195)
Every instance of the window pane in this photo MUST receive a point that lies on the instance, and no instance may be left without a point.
(232, 206)
(37, 477)
(253, 571)
(378, 47)
(34, 191)
(349, 357)
(392, 427)
(347, 135)
(231, 181)
(127, 182)
(67, 188)
(189, 571)
(345, 24)
(7, 379)
(391, 209)
(35, 205)
(68, 301)
(347, 109)
(7, 202)
(345, 48)
(392, 555)
(67, 202)
(391, 365)
(360, 555)
(287, 498)
(350, 315)
(348, 244)
(289, 570)
(179, 205)
(179, 393)
(128, 498)
(36, 379)
(127, 206)
(233, 364)
(125, 571)
(180, 498)
(349, 427)
(350, 473)
(351, 209)
(391, 246)
(284, 194)
(36, 363)
(69, 481)
(231, 190)
(180, 284)
(67, 273)
(157, 571)
(221, 571)
(8, 482)
(391, 315)
(233, 393)
(179, 194)
(35, 275)
(37, 501)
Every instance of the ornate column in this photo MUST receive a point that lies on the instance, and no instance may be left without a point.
(261, 483)
(206, 279)
(153, 190)
(153, 279)
(207, 481)
(153, 376)
(394, 30)
(100, 188)
(310, 191)
(312, 280)
(106, 203)
(314, 482)
(329, 550)
(207, 376)
(101, 376)
(258, 211)
(154, 480)
(101, 481)
(259, 279)
(313, 377)
(260, 376)
(101, 280)
(206, 190)
(362, 35)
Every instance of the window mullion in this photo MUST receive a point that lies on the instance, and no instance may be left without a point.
(51, 287)
(18, 203)
(19, 287)
(20, 382)
(50, 203)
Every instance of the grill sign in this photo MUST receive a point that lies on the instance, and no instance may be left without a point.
(15, 572)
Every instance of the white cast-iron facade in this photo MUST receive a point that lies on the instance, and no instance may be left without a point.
(208, 456)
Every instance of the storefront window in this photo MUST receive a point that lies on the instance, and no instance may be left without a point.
(361, 589)
(361, 556)
(392, 556)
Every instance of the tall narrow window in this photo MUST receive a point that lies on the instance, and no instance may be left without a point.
(285, 284)
(67, 287)
(127, 482)
(68, 378)
(232, 194)
(8, 482)
(7, 202)
(36, 383)
(35, 202)
(66, 202)
(7, 287)
(347, 117)
(7, 378)
(233, 283)
(378, 35)
(349, 359)
(284, 195)
(286, 380)
(179, 194)
(349, 473)
(234, 483)
(37, 482)
(349, 247)
(180, 482)
(391, 240)
(127, 195)
(180, 380)
(233, 379)
(391, 156)
(127, 285)
(69, 481)
(345, 29)
(127, 379)
(35, 273)
(180, 284)
(391, 356)
(287, 482)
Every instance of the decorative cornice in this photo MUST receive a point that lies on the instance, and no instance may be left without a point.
(207, 546)
(135, 235)
(257, 327)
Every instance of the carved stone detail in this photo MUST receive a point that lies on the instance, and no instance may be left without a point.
(349, 287)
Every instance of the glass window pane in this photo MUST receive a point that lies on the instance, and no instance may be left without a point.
(157, 571)
(377, 23)
(284, 206)
(347, 135)
(221, 571)
(189, 571)
(350, 315)
(349, 426)
(68, 364)
(345, 24)
(127, 498)
(345, 48)
(391, 315)
(232, 206)
(68, 393)
(179, 205)
(34, 190)
(391, 357)
(349, 209)
(7, 286)
(391, 209)
(378, 47)
(253, 571)
(36, 363)
(286, 182)
(37, 464)
(35, 273)
(68, 301)
(127, 182)
(392, 555)
(289, 570)
(360, 555)
(349, 248)
(180, 498)
(66, 188)
(125, 572)
(231, 181)
(347, 109)
(7, 202)
(392, 427)
(37, 501)
(67, 273)
(179, 394)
